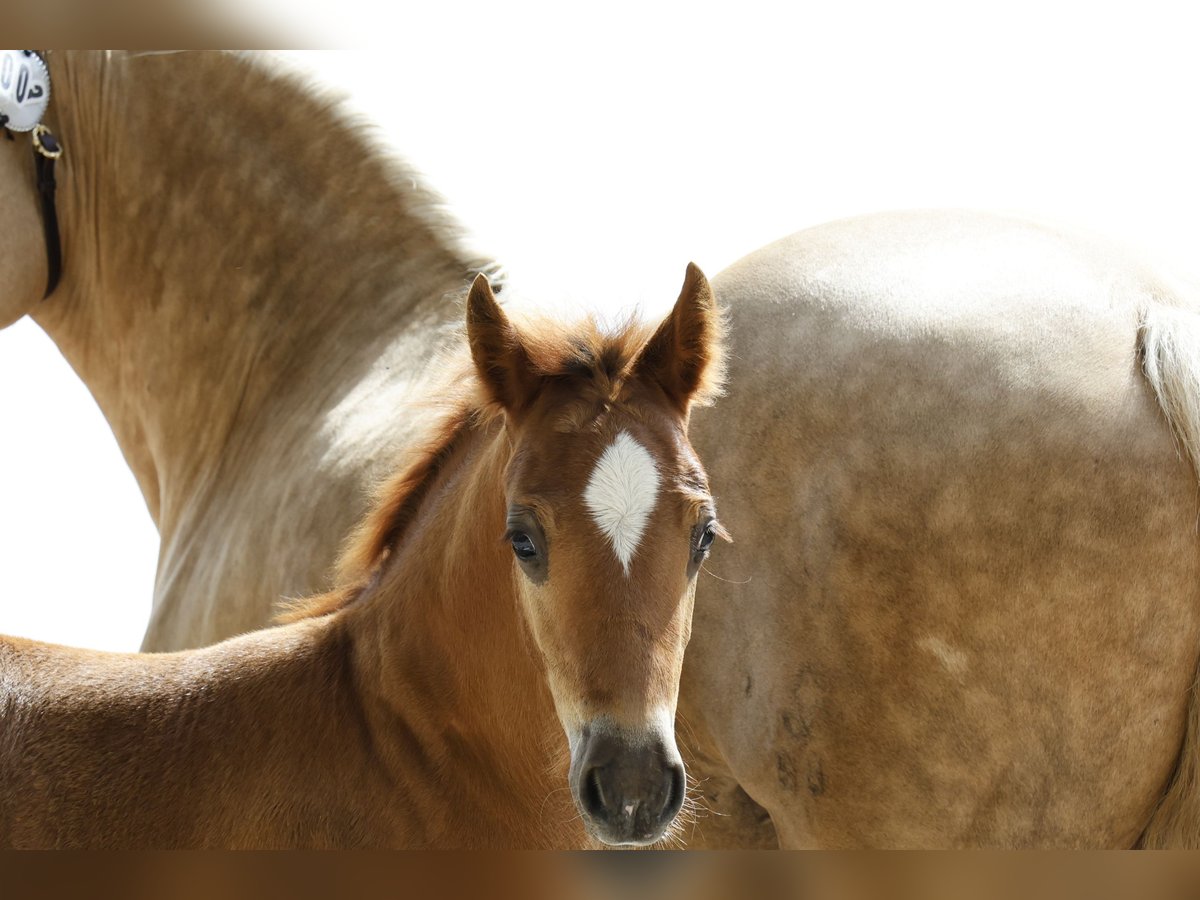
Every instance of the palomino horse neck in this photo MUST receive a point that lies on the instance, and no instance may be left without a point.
(420, 704)
(242, 286)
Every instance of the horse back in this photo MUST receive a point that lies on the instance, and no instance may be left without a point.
(960, 606)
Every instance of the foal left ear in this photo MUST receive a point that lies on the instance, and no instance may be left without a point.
(500, 357)
(685, 353)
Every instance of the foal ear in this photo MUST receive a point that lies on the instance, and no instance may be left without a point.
(684, 355)
(500, 358)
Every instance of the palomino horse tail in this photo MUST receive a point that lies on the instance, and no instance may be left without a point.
(1170, 348)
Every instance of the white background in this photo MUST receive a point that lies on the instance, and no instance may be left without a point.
(597, 148)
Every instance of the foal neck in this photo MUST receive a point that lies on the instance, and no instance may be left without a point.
(233, 249)
(464, 712)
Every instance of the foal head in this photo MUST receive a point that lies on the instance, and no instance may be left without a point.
(609, 518)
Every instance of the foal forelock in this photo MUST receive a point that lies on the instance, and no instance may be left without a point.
(621, 494)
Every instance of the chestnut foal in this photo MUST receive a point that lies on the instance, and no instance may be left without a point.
(422, 704)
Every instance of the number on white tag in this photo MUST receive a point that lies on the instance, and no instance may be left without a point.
(24, 89)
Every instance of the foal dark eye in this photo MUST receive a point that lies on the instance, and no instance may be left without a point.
(702, 541)
(523, 547)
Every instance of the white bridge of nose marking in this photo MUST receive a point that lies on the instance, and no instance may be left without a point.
(621, 495)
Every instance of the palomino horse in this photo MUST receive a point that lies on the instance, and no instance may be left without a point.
(960, 609)
(416, 705)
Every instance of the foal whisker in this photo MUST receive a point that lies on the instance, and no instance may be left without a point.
(707, 571)
(546, 799)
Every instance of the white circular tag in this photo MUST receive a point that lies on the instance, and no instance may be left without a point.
(24, 89)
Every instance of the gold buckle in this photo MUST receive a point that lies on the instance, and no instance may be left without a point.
(38, 131)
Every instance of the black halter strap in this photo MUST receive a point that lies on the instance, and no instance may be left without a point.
(46, 151)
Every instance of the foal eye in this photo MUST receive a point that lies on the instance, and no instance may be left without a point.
(523, 547)
(703, 540)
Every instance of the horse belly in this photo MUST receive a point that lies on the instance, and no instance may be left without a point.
(960, 609)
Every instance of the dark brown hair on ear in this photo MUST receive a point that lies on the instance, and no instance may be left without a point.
(685, 354)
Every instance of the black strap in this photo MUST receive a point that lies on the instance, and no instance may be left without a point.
(45, 152)
(46, 149)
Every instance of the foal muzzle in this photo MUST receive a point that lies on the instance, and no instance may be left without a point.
(629, 787)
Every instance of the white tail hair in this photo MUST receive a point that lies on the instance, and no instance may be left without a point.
(1170, 346)
(1170, 340)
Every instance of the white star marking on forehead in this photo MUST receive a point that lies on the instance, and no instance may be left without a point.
(621, 495)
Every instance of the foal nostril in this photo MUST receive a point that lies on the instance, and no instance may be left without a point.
(592, 793)
(676, 791)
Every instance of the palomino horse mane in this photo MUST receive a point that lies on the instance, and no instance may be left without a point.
(595, 362)
(269, 137)
(387, 198)
(362, 137)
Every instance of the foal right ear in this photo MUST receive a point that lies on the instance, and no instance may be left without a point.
(500, 358)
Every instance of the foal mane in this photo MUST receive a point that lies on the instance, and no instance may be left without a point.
(595, 364)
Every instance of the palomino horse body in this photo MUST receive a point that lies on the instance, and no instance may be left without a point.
(961, 509)
(420, 703)
(960, 605)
